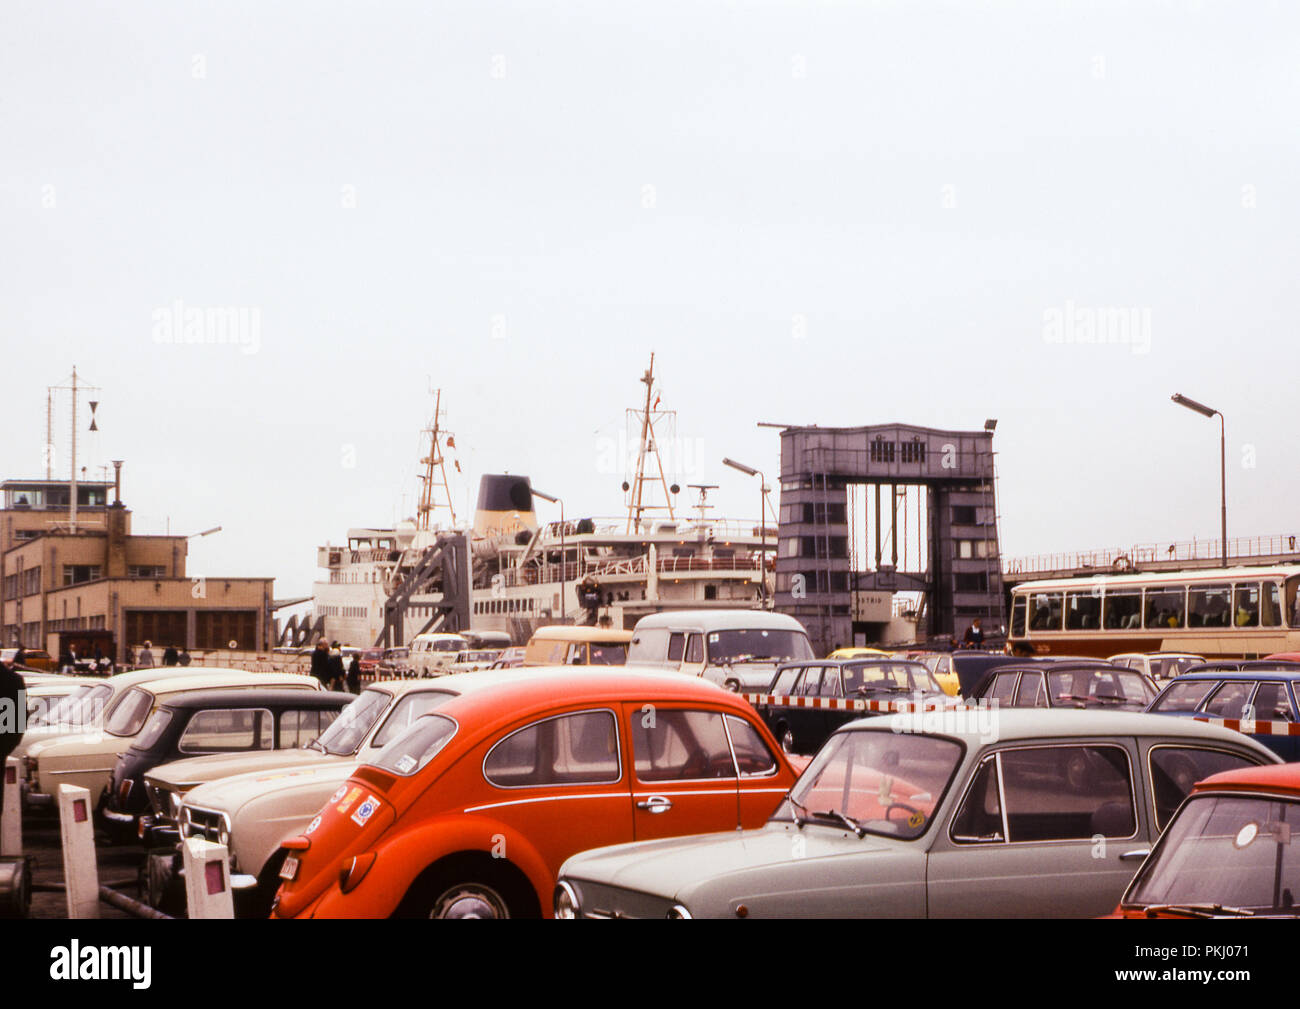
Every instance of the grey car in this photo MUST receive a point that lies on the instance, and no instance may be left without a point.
(990, 813)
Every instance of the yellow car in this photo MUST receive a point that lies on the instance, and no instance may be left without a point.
(859, 653)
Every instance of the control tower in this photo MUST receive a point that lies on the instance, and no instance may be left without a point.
(942, 480)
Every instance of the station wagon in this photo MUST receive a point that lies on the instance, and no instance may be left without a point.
(971, 818)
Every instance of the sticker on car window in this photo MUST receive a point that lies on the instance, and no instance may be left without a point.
(366, 810)
(343, 790)
(1246, 835)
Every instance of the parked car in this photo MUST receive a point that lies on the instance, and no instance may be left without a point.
(253, 804)
(545, 764)
(1158, 665)
(859, 652)
(194, 723)
(472, 659)
(969, 667)
(1263, 692)
(574, 645)
(87, 758)
(1018, 813)
(1228, 852)
(44, 695)
(369, 660)
(33, 658)
(83, 709)
(1087, 684)
(739, 649)
(804, 729)
(395, 664)
(940, 666)
(509, 658)
(429, 653)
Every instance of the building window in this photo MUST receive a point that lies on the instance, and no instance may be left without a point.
(963, 515)
(882, 451)
(75, 574)
(912, 451)
(146, 571)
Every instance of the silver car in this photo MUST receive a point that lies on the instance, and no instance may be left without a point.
(989, 813)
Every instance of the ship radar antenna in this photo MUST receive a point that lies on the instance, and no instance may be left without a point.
(648, 446)
(433, 481)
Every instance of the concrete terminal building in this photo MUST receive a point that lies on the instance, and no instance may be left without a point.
(81, 577)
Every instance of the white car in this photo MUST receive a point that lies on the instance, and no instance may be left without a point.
(87, 758)
(1158, 665)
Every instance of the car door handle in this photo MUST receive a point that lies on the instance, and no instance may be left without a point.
(655, 804)
(1135, 854)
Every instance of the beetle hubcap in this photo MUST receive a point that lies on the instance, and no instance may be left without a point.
(470, 900)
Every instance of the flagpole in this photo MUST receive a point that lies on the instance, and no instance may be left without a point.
(74, 449)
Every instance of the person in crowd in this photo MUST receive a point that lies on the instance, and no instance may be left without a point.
(974, 635)
(354, 674)
(145, 658)
(170, 656)
(320, 661)
(12, 707)
(337, 674)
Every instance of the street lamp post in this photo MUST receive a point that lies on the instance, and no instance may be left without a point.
(762, 522)
(1206, 411)
(563, 562)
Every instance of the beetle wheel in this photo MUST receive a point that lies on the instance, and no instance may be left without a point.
(470, 900)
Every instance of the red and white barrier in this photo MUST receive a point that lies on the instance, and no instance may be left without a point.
(851, 704)
(11, 813)
(1255, 727)
(207, 879)
(80, 871)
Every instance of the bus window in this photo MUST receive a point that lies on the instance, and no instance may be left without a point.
(1271, 605)
(1082, 611)
(1018, 616)
(1046, 612)
(1123, 609)
(1166, 606)
(1209, 606)
(1293, 600)
(1245, 610)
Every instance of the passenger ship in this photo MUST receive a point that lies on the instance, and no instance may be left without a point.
(525, 574)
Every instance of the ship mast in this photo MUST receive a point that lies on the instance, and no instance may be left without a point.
(434, 477)
(648, 445)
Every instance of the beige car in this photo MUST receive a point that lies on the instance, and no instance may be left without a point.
(87, 758)
(251, 805)
(570, 645)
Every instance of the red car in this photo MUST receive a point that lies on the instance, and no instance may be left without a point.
(1227, 853)
(471, 811)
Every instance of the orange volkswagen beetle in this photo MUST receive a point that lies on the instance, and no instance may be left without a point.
(470, 812)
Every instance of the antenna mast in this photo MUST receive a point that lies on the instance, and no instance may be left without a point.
(648, 445)
(435, 469)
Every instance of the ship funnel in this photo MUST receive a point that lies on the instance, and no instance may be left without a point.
(505, 505)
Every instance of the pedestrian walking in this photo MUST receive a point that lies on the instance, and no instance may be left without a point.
(145, 658)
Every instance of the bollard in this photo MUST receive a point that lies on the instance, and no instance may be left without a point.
(11, 814)
(80, 872)
(207, 879)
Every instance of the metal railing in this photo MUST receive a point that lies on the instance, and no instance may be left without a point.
(1178, 552)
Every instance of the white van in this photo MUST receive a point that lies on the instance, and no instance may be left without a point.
(739, 649)
(431, 652)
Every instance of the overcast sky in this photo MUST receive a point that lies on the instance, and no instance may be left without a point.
(1055, 214)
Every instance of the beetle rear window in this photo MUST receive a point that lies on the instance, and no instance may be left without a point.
(411, 750)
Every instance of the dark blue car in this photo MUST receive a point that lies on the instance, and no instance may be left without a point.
(1257, 691)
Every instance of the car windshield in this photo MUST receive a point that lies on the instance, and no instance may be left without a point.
(348, 730)
(129, 712)
(1234, 851)
(1098, 688)
(874, 782)
(762, 645)
(889, 678)
(83, 708)
(606, 655)
(415, 747)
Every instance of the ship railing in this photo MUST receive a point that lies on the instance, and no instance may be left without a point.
(684, 526)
